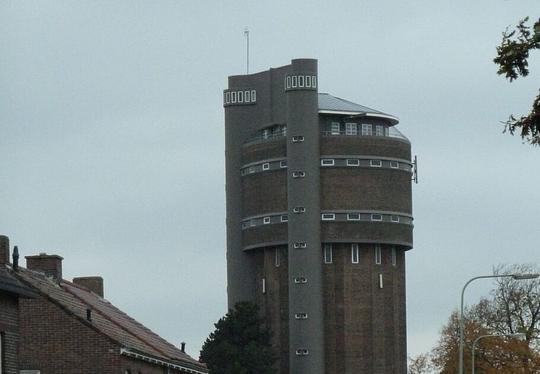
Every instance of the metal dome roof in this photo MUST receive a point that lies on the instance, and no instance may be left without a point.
(329, 104)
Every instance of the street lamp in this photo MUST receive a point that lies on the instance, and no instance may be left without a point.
(519, 335)
(513, 276)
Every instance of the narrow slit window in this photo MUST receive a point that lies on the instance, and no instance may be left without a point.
(328, 216)
(375, 163)
(308, 81)
(394, 164)
(378, 255)
(253, 96)
(301, 315)
(327, 162)
(294, 81)
(328, 253)
(300, 245)
(302, 352)
(298, 174)
(376, 217)
(227, 97)
(263, 285)
(297, 139)
(266, 166)
(367, 129)
(233, 97)
(299, 209)
(300, 280)
(394, 256)
(240, 96)
(284, 218)
(355, 254)
(381, 285)
(247, 96)
(351, 129)
(353, 162)
(277, 259)
(314, 81)
(300, 81)
(353, 217)
(289, 82)
(266, 220)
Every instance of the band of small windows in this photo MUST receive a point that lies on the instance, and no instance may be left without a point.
(330, 162)
(239, 97)
(359, 216)
(300, 82)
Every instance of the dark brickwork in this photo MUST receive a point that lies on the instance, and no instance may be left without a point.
(274, 148)
(9, 329)
(365, 146)
(381, 232)
(264, 192)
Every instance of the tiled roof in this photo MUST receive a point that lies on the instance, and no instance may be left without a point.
(107, 319)
(11, 285)
(330, 103)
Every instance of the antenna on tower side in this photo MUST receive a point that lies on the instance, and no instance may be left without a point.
(246, 33)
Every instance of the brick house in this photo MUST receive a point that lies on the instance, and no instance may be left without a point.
(11, 290)
(70, 328)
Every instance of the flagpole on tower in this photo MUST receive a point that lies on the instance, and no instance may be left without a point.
(246, 33)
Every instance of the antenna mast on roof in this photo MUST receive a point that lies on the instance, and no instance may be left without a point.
(246, 33)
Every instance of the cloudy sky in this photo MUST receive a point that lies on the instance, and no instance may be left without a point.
(112, 139)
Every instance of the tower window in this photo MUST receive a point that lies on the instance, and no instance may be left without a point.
(266, 220)
(283, 164)
(277, 258)
(301, 316)
(395, 218)
(379, 130)
(328, 216)
(298, 174)
(251, 170)
(284, 218)
(334, 128)
(247, 96)
(314, 81)
(299, 209)
(253, 96)
(375, 163)
(294, 81)
(353, 162)
(227, 97)
(240, 96)
(300, 81)
(353, 217)
(351, 129)
(394, 164)
(297, 139)
(299, 245)
(394, 256)
(381, 285)
(300, 280)
(328, 253)
(327, 162)
(233, 97)
(308, 81)
(367, 129)
(378, 255)
(288, 85)
(302, 352)
(376, 217)
(266, 166)
(263, 285)
(355, 254)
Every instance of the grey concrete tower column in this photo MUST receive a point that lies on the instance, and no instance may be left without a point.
(306, 333)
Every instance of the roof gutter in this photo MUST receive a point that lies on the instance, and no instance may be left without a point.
(157, 361)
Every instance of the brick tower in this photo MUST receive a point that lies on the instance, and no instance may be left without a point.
(319, 216)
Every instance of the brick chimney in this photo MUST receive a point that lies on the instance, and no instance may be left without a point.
(4, 250)
(94, 284)
(51, 265)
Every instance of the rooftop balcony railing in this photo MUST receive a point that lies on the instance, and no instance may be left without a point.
(390, 132)
(266, 137)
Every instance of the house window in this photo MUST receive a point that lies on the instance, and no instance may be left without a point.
(314, 81)
(298, 174)
(379, 130)
(240, 96)
(351, 129)
(266, 166)
(294, 81)
(308, 81)
(263, 285)
(378, 255)
(327, 162)
(394, 256)
(375, 163)
(266, 220)
(353, 217)
(300, 81)
(284, 218)
(395, 218)
(253, 96)
(277, 258)
(297, 139)
(355, 255)
(376, 217)
(328, 253)
(394, 164)
(328, 216)
(300, 280)
(366, 129)
(283, 164)
(299, 209)
(353, 162)
(334, 128)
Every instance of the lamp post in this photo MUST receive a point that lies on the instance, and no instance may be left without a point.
(461, 322)
(520, 335)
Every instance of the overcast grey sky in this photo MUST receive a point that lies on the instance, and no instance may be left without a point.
(112, 139)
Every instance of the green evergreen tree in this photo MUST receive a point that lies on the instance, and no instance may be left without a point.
(240, 344)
